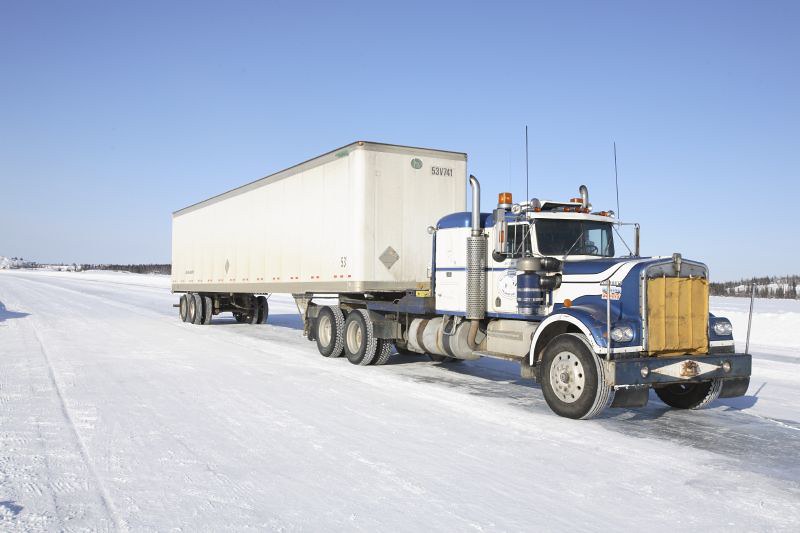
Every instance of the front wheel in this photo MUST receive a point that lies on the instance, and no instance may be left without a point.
(573, 378)
(690, 395)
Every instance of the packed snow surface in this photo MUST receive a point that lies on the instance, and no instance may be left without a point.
(114, 415)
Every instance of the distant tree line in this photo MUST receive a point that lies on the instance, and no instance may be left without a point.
(766, 287)
(136, 269)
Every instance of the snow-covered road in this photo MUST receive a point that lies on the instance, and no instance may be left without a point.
(114, 415)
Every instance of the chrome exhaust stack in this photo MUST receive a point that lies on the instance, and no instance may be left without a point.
(476, 205)
(584, 192)
(476, 266)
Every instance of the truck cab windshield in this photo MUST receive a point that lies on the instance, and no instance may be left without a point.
(574, 237)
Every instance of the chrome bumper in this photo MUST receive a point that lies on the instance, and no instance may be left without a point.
(677, 369)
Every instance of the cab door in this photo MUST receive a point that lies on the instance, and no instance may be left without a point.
(503, 274)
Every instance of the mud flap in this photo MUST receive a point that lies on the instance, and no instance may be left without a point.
(526, 371)
(732, 388)
(631, 397)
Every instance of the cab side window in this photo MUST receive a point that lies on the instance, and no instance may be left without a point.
(519, 237)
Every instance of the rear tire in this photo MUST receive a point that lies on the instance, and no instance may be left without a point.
(329, 331)
(197, 315)
(240, 318)
(573, 378)
(262, 308)
(690, 395)
(360, 343)
(183, 308)
(191, 308)
(208, 309)
(385, 350)
(254, 313)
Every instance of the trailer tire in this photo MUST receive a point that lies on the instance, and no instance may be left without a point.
(262, 308)
(208, 309)
(690, 395)
(240, 318)
(183, 308)
(385, 350)
(191, 308)
(197, 314)
(573, 378)
(360, 343)
(329, 331)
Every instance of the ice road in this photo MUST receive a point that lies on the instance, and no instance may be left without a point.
(116, 416)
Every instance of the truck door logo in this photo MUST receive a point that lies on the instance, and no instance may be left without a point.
(507, 283)
(416, 163)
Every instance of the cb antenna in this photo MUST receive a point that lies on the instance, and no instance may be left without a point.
(616, 179)
(527, 169)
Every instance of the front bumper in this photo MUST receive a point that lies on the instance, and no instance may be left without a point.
(688, 368)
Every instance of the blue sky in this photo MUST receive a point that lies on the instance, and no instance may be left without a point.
(115, 114)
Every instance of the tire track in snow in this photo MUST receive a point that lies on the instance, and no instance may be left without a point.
(103, 493)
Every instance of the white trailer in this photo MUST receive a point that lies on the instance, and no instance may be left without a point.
(382, 233)
(353, 220)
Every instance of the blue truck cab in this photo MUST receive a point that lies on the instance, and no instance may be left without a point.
(593, 321)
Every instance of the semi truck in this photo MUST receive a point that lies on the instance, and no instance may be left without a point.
(377, 247)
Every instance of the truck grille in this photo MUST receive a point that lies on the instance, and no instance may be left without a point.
(677, 316)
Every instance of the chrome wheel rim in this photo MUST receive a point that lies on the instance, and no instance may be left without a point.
(567, 378)
(354, 337)
(325, 332)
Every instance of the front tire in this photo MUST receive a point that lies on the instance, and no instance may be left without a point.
(329, 331)
(573, 378)
(360, 343)
(690, 395)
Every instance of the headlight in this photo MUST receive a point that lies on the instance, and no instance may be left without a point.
(723, 327)
(622, 334)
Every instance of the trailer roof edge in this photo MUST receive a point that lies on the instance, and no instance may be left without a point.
(311, 163)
